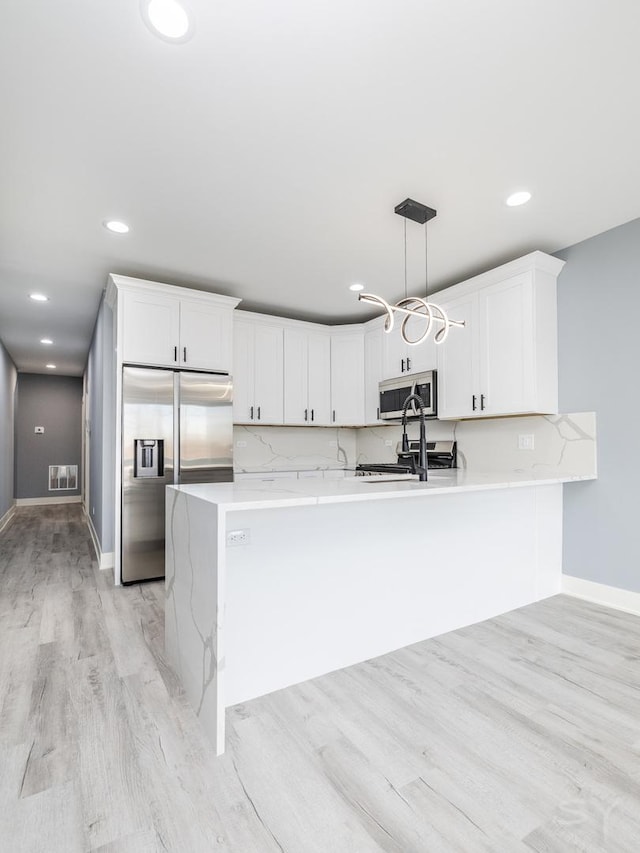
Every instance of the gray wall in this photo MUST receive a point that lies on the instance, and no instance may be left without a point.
(54, 402)
(599, 352)
(100, 383)
(7, 411)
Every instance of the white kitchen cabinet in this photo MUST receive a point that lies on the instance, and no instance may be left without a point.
(458, 378)
(307, 376)
(206, 334)
(399, 358)
(150, 332)
(258, 364)
(504, 362)
(347, 376)
(161, 326)
(373, 372)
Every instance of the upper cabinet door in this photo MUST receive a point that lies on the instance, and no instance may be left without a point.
(268, 366)
(394, 353)
(458, 396)
(205, 336)
(296, 382)
(319, 378)
(150, 329)
(506, 321)
(372, 374)
(422, 356)
(347, 379)
(243, 372)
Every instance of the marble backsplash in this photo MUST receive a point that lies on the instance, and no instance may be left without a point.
(562, 443)
(293, 448)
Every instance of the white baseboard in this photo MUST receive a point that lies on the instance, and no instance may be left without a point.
(105, 560)
(63, 499)
(6, 518)
(600, 593)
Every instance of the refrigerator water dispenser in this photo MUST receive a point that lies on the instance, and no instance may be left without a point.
(149, 458)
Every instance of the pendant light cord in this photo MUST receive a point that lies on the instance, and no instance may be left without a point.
(426, 265)
(405, 258)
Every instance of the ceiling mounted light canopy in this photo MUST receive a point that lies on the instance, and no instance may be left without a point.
(415, 306)
(168, 19)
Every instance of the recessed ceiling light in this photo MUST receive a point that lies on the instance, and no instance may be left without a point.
(356, 287)
(516, 199)
(38, 297)
(168, 19)
(51, 366)
(46, 341)
(115, 226)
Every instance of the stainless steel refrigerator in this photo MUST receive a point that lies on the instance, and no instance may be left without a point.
(177, 427)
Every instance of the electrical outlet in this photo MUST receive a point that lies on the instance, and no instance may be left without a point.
(526, 442)
(238, 537)
(241, 443)
(39, 430)
(388, 442)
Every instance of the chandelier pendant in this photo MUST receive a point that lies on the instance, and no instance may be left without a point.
(415, 306)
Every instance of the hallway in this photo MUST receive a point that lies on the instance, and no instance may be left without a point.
(519, 733)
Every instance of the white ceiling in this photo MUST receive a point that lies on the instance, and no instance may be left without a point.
(263, 158)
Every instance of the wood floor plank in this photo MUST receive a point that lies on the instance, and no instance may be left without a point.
(146, 841)
(52, 756)
(517, 734)
(50, 821)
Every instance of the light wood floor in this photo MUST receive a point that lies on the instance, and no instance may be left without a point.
(517, 734)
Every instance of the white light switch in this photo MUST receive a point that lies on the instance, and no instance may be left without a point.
(39, 430)
(526, 442)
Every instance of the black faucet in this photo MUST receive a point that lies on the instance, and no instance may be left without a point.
(421, 467)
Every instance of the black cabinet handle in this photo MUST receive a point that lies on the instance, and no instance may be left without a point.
(306, 414)
(312, 414)
(408, 364)
(251, 413)
(473, 402)
(482, 402)
(175, 353)
(402, 362)
(378, 414)
(334, 415)
(184, 354)
(258, 412)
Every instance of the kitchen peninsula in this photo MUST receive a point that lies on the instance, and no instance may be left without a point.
(274, 583)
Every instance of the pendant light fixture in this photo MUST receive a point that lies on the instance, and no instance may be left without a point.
(415, 306)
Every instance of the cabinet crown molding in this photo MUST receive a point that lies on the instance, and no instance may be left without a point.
(533, 262)
(126, 283)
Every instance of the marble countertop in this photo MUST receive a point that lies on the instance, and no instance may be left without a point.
(250, 495)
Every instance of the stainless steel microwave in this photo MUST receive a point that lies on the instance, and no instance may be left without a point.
(393, 393)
